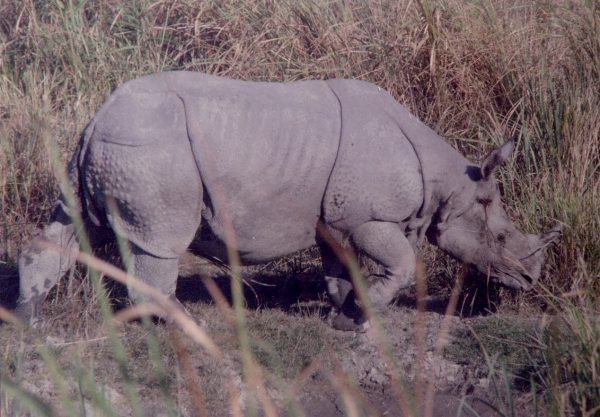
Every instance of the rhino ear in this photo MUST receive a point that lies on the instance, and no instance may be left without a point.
(495, 159)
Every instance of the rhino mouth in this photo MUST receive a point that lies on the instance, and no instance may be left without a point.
(519, 280)
(523, 272)
(512, 273)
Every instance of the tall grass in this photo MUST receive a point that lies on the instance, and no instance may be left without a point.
(479, 72)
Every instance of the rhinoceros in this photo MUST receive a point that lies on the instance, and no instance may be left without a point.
(173, 153)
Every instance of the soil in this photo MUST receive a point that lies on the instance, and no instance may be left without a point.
(397, 368)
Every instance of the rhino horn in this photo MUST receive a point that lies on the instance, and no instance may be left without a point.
(552, 234)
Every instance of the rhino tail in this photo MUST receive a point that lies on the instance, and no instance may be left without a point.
(74, 196)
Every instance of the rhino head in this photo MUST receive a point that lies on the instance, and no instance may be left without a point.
(472, 225)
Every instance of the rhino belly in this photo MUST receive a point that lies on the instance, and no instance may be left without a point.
(260, 239)
(265, 152)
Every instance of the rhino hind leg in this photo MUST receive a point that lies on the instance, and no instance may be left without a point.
(386, 243)
(160, 273)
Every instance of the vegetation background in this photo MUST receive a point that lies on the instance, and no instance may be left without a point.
(479, 72)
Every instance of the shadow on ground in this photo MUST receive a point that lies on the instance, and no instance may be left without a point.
(290, 290)
(290, 285)
(9, 285)
(272, 290)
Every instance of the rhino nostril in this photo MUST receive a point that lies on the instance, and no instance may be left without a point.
(528, 278)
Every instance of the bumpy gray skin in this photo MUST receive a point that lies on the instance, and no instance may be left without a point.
(171, 154)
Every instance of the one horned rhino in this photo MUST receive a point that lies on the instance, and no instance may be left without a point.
(171, 153)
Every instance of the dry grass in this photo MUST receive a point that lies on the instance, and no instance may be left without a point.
(479, 72)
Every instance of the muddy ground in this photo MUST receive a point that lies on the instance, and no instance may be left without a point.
(424, 361)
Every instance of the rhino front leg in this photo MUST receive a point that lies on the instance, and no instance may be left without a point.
(386, 243)
(40, 269)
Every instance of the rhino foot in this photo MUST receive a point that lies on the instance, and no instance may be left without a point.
(29, 311)
(350, 318)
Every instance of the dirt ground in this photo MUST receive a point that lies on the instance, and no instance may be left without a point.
(309, 369)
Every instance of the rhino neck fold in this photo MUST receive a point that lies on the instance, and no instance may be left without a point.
(442, 170)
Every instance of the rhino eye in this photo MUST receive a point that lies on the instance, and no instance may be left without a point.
(501, 238)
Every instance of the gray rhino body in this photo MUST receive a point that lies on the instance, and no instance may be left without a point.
(173, 153)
